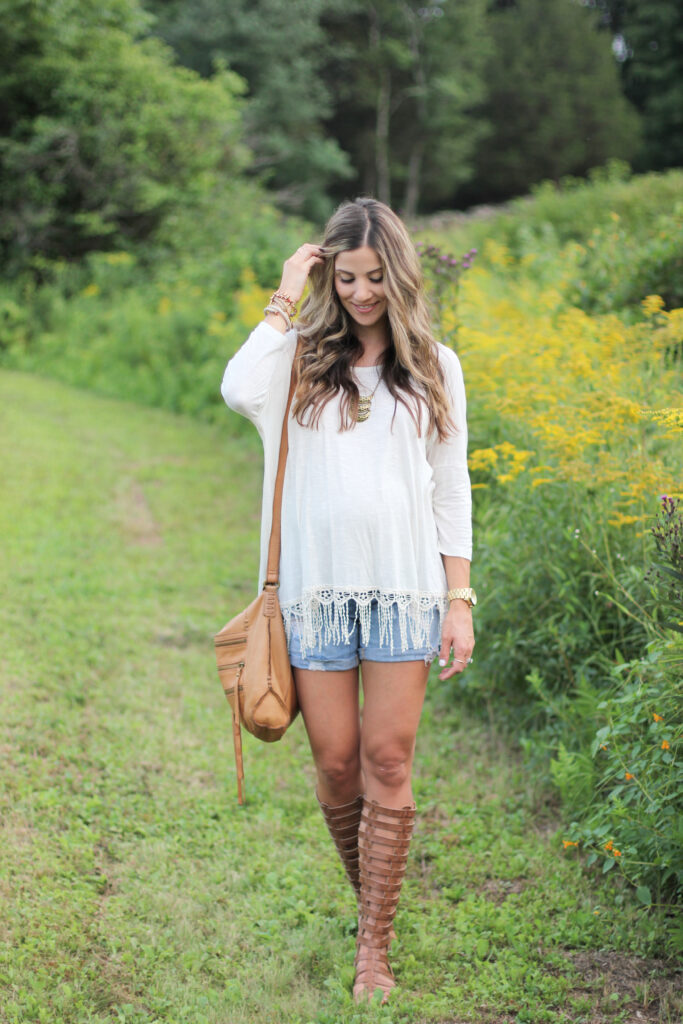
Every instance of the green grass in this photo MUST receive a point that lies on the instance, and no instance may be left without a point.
(133, 888)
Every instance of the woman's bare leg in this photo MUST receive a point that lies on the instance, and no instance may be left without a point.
(330, 710)
(393, 698)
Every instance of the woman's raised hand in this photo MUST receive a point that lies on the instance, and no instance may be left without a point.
(297, 268)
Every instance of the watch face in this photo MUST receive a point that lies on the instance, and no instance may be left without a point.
(473, 597)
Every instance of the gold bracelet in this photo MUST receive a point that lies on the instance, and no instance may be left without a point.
(462, 594)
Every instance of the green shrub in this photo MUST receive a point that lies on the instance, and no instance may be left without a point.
(560, 594)
(617, 268)
(574, 207)
(156, 333)
(624, 791)
(105, 136)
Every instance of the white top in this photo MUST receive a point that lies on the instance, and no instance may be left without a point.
(366, 512)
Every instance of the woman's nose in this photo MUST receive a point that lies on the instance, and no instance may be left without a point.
(363, 292)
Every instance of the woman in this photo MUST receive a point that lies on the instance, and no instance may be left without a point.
(376, 532)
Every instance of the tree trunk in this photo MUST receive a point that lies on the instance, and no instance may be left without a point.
(413, 183)
(383, 112)
(417, 150)
(382, 137)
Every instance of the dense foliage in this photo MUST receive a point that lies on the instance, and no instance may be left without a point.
(102, 137)
(279, 48)
(425, 105)
(648, 40)
(574, 367)
(542, 49)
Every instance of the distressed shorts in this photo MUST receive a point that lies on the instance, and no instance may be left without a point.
(337, 656)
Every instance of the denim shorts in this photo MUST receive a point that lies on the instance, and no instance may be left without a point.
(336, 656)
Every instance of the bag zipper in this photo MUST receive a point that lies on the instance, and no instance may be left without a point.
(231, 641)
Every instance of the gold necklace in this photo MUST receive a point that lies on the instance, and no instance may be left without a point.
(365, 403)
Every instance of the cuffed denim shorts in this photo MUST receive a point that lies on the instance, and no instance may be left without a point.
(336, 657)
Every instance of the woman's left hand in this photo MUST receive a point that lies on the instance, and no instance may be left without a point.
(457, 635)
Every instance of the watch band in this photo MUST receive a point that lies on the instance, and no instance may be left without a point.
(462, 594)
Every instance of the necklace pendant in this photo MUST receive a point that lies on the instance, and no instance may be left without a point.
(364, 406)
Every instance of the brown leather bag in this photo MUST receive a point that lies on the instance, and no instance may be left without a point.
(251, 650)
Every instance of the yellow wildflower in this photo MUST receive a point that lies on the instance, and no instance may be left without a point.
(117, 258)
(652, 304)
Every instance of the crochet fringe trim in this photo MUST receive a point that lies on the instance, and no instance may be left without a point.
(322, 617)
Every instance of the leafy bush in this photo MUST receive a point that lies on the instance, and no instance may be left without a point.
(157, 335)
(624, 790)
(558, 596)
(615, 269)
(556, 214)
(573, 207)
(572, 364)
(666, 576)
(104, 136)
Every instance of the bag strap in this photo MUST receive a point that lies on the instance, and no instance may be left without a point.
(273, 564)
(237, 738)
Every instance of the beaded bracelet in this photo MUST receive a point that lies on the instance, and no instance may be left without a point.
(278, 309)
(274, 300)
(291, 305)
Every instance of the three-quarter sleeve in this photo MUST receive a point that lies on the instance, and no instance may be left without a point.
(258, 369)
(452, 495)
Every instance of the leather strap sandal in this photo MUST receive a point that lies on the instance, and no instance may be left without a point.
(342, 823)
(383, 843)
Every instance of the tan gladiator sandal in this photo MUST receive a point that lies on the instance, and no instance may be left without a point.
(383, 843)
(342, 823)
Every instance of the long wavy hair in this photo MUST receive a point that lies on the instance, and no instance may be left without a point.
(329, 349)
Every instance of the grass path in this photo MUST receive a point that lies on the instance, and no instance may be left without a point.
(133, 889)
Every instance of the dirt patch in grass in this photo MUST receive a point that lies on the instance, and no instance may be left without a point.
(649, 990)
(498, 889)
(135, 516)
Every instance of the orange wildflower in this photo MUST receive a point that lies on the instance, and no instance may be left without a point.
(568, 842)
(629, 775)
(617, 853)
(609, 845)
(665, 744)
(657, 718)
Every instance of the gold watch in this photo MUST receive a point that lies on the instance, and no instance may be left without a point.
(463, 594)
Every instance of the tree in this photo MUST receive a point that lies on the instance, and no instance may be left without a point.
(101, 136)
(405, 77)
(648, 42)
(554, 99)
(279, 48)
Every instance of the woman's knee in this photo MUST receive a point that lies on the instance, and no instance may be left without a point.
(389, 764)
(339, 772)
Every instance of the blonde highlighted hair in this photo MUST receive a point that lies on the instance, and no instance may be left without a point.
(329, 348)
